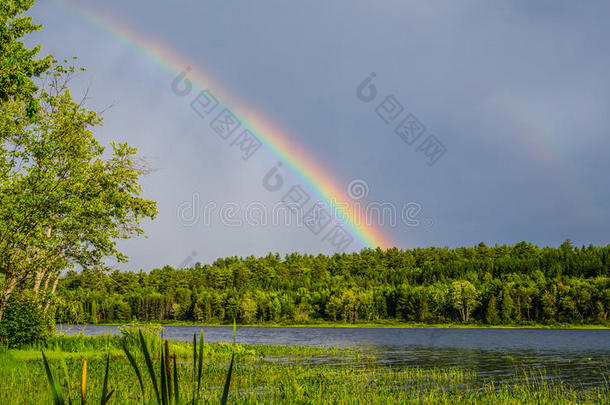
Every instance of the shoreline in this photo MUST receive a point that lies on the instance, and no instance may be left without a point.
(363, 325)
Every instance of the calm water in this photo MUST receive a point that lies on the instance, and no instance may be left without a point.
(575, 356)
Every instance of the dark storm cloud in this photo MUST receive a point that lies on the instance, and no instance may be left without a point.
(517, 92)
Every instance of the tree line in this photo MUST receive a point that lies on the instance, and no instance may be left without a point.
(517, 284)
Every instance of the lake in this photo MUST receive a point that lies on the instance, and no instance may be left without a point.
(578, 357)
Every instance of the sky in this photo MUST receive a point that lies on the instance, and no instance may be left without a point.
(392, 123)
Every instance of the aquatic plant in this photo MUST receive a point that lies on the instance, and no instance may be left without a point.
(166, 386)
(56, 388)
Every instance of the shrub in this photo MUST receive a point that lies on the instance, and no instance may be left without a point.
(25, 321)
(150, 332)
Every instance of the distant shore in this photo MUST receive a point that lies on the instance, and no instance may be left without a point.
(396, 325)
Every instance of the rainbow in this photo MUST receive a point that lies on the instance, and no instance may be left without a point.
(292, 155)
(542, 146)
(536, 136)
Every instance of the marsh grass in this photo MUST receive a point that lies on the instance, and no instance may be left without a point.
(259, 374)
(256, 380)
(167, 388)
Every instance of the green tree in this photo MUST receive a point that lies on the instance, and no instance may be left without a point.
(600, 313)
(422, 311)
(275, 309)
(93, 317)
(384, 285)
(62, 202)
(507, 305)
(549, 307)
(463, 297)
(248, 310)
(18, 64)
(491, 314)
(349, 306)
(334, 307)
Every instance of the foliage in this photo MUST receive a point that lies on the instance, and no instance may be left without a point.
(64, 201)
(491, 314)
(167, 389)
(132, 333)
(56, 389)
(61, 202)
(25, 321)
(463, 298)
(507, 285)
(18, 65)
(171, 385)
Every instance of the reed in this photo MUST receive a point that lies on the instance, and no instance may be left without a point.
(168, 381)
(55, 385)
(166, 386)
(210, 373)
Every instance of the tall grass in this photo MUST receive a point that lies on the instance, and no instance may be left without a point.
(166, 386)
(56, 388)
(255, 380)
(140, 370)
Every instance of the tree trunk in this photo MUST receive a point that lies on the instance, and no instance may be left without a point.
(46, 307)
(11, 283)
(464, 312)
(38, 281)
(46, 283)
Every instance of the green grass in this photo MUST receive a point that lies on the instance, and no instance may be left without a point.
(267, 374)
(96, 347)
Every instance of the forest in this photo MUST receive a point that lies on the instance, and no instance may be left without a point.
(69, 200)
(501, 285)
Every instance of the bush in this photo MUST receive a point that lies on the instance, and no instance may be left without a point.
(24, 321)
(131, 336)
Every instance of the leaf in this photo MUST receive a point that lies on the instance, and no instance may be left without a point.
(67, 376)
(55, 389)
(168, 375)
(176, 388)
(225, 393)
(194, 356)
(105, 400)
(105, 395)
(194, 365)
(163, 380)
(134, 364)
(149, 365)
(200, 365)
